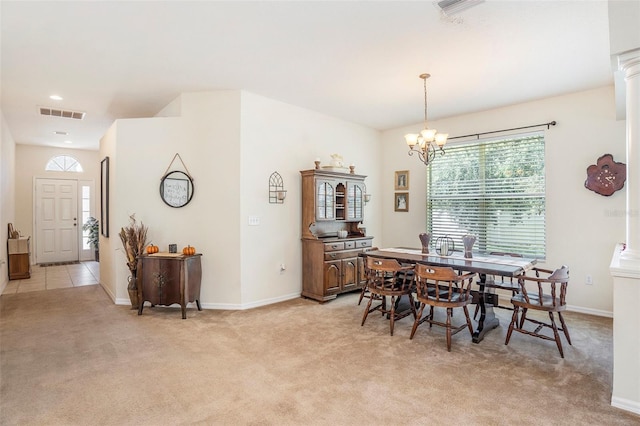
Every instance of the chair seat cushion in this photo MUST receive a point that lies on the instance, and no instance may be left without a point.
(504, 285)
(455, 297)
(547, 303)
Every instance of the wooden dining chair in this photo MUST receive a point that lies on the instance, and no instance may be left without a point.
(502, 283)
(365, 288)
(388, 278)
(545, 293)
(442, 287)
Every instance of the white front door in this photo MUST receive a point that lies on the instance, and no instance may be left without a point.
(56, 220)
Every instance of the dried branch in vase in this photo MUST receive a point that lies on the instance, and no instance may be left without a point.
(134, 240)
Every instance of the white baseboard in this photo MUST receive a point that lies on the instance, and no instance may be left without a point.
(109, 293)
(256, 304)
(229, 306)
(589, 311)
(626, 404)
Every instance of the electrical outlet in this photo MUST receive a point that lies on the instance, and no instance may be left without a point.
(588, 280)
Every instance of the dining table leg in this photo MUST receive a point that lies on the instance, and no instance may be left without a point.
(488, 320)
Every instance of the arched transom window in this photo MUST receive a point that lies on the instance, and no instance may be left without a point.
(64, 163)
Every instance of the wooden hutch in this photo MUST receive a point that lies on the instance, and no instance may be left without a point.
(332, 204)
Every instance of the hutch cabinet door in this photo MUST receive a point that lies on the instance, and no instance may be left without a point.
(332, 276)
(325, 200)
(355, 201)
(362, 273)
(349, 274)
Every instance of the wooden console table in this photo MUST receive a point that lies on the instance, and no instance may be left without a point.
(168, 278)
(19, 251)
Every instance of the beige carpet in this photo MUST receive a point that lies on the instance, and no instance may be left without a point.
(71, 357)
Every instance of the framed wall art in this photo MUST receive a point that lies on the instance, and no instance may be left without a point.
(104, 197)
(401, 201)
(402, 180)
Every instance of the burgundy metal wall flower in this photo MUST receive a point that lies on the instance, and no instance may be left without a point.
(606, 176)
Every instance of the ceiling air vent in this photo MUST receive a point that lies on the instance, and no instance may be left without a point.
(452, 7)
(53, 112)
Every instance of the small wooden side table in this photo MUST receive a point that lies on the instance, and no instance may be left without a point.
(168, 278)
(19, 251)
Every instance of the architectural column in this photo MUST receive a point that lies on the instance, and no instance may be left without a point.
(629, 63)
(625, 265)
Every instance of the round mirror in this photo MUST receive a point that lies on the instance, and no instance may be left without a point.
(176, 189)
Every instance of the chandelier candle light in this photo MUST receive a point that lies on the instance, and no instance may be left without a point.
(425, 142)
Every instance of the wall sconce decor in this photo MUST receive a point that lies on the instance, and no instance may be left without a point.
(277, 193)
(367, 196)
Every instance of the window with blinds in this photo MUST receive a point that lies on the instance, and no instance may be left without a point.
(493, 189)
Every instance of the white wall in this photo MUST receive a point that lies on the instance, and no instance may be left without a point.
(110, 262)
(623, 26)
(7, 194)
(582, 226)
(231, 142)
(140, 150)
(30, 164)
(280, 137)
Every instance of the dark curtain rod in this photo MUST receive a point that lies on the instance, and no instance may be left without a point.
(477, 135)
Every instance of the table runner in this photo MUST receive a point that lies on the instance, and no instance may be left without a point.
(501, 260)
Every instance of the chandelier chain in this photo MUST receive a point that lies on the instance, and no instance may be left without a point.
(425, 101)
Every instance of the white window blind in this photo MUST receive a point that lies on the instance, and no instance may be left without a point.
(493, 189)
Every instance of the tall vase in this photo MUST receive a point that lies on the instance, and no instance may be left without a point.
(468, 241)
(132, 288)
(424, 240)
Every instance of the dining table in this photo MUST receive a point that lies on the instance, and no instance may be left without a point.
(485, 265)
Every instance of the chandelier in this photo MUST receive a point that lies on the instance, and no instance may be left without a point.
(426, 142)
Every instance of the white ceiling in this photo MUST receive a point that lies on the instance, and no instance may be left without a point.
(356, 60)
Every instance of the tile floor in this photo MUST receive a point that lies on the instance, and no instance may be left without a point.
(52, 277)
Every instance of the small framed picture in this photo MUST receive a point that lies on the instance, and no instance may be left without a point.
(402, 180)
(401, 201)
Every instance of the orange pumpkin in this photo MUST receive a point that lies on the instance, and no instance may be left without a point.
(152, 249)
(189, 251)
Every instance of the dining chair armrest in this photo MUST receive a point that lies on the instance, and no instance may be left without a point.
(466, 276)
(538, 270)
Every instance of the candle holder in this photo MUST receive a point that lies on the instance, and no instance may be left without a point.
(445, 246)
